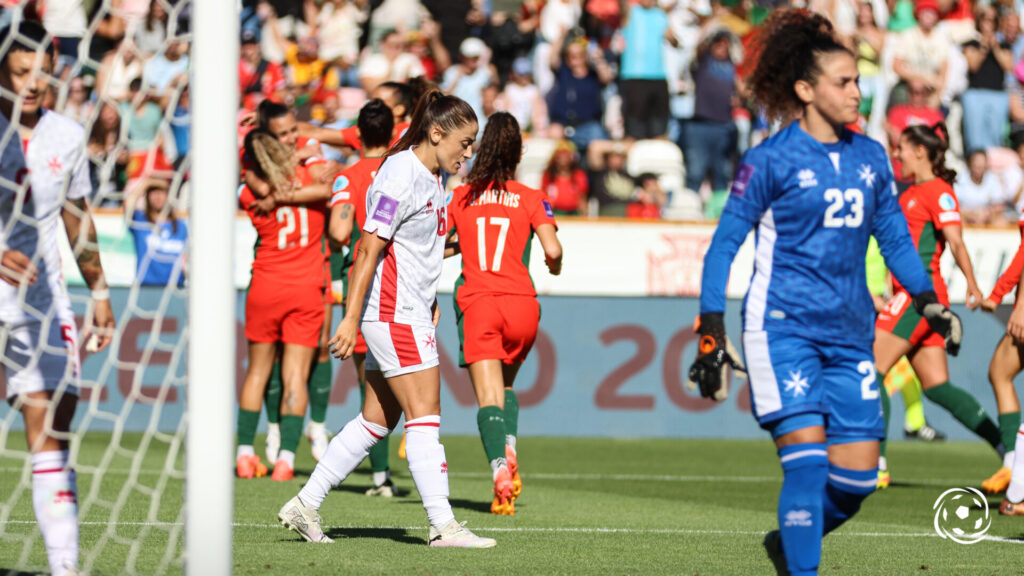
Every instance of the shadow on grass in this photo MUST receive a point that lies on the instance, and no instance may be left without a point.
(395, 534)
(457, 503)
(16, 572)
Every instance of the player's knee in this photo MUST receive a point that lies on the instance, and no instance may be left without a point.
(848, 488)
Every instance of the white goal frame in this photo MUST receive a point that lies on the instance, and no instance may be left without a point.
(210, 393)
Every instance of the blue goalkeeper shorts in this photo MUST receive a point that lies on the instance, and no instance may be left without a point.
(796, 383)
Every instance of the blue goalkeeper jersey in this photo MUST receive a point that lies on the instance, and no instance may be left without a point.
(814, 207)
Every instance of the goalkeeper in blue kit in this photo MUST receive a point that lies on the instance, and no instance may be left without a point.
(814, 194)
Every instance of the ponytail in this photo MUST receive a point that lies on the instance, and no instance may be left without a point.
(448, 113)
(935, 140)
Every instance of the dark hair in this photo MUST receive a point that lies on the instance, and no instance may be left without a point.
(375, 124)
(787, 49)
(135, 84)
(935, 140)
(403, 94)
(501, 148)
(155, 184)
(449, 113)
(269, 110)
(30, 36)
(418, 88)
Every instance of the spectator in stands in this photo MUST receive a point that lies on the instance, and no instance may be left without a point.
(575, 104)
(258, 78)
(426, 45)
(917, 110)
(455, 18)
(565, 182)
(108, 162)
(510, 34)
(160, 235)
(166, 68)
(610, 184)
(339, 27)
(1015, 87)
(711, 136)
(558, 20)
(117, 70)
(986, 107)
(65, 20)
(868, 44)
(648, 198)
(109, 28)
(78, 106)
(181, 122)
(1009, 33)
(468, 78)
(921, 54)
(401, 15)
(152, 31)
(142, 115)
(980, 193)
(523, 99)
(642, 78)
(392, 64)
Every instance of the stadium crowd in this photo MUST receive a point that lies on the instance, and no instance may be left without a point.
(586, 79)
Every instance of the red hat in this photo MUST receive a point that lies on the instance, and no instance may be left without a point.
(926, 5)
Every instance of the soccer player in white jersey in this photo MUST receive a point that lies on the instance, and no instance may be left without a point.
(44, 177)
(393, 299)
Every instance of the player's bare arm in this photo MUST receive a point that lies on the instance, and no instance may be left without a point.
(304, 195)
(552, 248)
(955, 241)
(344, 340)
(82, 236)
(339, 228)
(451, 246)
(16, 267)
(328, 136)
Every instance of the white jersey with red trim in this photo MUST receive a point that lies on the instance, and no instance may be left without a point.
(405, 205)
(54, 167)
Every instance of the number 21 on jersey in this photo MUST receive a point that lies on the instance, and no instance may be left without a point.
(286, 217)
(838, 199)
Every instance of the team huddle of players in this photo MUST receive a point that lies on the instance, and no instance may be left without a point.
(372, 237)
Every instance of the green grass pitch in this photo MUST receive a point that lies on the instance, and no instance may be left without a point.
(589, 506)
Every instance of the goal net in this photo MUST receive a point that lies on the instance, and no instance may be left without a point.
(123, 73)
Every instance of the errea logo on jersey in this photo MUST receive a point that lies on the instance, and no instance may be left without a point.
(807, 178)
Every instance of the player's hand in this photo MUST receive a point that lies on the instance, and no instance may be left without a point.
(974, 298)
(989, 305)
(714, 353)
(99, 332)
(247, 119)
(343, 343)
(264, 206)
(1015, 327)
(16, 268)
(941, 319)
(331, 170)
(554, 265)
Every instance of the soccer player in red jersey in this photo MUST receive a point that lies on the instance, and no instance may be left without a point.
(1006, 364)
(393, 301)
(496, 305)
(284, 305)
(347, 218)
(933, 214)
(399, 97)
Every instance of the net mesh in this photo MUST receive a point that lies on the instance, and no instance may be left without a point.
(127, 436)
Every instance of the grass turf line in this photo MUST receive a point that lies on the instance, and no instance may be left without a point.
(590, 506)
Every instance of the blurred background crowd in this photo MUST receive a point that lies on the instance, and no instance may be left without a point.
(631, 108)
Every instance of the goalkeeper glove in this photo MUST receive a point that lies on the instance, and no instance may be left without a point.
(941, 319)
(714, 353)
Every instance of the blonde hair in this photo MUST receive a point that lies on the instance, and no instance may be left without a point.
(275, 160)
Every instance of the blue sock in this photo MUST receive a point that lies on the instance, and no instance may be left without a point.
(845, 490)
(805, 473)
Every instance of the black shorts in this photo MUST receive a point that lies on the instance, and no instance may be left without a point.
(645, 108)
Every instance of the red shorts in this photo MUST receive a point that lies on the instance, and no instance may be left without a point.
(498, 327)
(284, 313)
(899, 317)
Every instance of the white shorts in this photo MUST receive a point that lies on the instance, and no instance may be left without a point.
(31, 365)
(397, 349)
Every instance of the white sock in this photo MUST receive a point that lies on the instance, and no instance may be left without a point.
(244, 451)
(346, 450)
(497, 463)
(429, 467)
(510, 440)
(55, 499)
(379, 478)
(1008, 459)
(882, 464)
(1015, 492)
(288, 456)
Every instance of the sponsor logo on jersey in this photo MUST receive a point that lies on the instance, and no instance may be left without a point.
(551, 214)
(386, 209)
(949, 217)
(340, 183)
(911, 204)
(946, 201)
(743, 175)
(866, 175)
(798, 518)
(807, 178)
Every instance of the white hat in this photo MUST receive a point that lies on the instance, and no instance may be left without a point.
(472, 47)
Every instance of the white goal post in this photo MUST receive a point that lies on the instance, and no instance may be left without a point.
(211, 369)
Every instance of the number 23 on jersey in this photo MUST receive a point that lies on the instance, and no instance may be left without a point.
(852, 200)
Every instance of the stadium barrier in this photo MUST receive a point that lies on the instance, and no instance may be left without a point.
(602, 366)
